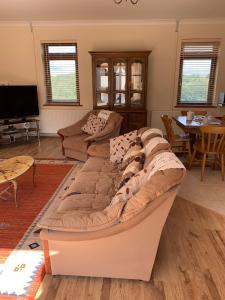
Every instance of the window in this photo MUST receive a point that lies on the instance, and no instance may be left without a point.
(197, 73)
(61, 73)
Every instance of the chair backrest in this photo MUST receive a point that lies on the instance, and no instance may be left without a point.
(167, 121)
(196, 112)
(213, 139)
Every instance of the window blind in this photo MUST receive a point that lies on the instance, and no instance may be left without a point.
(197, 73)
(61, 73)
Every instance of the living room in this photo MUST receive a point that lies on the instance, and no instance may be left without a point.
(166, 40)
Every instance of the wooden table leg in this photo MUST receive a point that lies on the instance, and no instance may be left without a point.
(34, 171)
(15, 187)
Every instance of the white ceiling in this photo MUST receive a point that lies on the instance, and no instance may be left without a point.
(47, 10)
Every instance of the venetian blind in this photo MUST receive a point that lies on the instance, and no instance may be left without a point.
(197, 73)
(61, 73)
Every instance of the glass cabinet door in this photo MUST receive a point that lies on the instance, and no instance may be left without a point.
(136, 83)
(119, 83)
(102, 83)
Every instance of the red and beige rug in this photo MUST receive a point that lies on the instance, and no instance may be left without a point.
(21, 255)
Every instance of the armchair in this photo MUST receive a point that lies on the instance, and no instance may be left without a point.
(75, 142)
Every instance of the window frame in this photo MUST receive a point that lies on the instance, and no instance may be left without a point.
(47, 57)
(212, 77)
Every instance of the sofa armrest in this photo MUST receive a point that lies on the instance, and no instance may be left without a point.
(57, 235)
(74, 129)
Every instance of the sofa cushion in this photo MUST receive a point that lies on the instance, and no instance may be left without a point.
(92, 182)
(99, 149)
(119, 146)
(80, 221)
(99, 164)
(94, 124)
(76, 142)
(84, 202)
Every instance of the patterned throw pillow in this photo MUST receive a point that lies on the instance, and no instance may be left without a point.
(132, 153)
(104, 114)
(130, 188)
(94, 124)
(119, 146)
(132, 169)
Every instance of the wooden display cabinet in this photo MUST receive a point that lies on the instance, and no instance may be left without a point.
(120, 84)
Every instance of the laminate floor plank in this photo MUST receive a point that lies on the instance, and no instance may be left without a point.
(48, 148)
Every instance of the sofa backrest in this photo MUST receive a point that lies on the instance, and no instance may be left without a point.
(162, 172)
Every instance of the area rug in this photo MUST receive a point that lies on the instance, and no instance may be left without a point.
(21, 255)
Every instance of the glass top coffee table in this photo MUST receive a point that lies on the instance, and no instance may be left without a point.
(11, 169)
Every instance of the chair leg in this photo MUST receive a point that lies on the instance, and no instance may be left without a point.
(192, 159)
(203, 166)
(189, 150)
(214, 162)
(222, 166)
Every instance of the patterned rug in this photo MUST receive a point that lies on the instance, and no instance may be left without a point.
(21, 255)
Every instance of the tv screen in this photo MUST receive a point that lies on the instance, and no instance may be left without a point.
(18, 101)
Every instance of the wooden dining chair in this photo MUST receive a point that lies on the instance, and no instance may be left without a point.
(210, 143)
(197, 112)
(180, 143)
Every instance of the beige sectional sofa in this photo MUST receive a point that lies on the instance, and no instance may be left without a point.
(98, 230)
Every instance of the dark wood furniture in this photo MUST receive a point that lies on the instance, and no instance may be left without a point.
(120, 84)
(193, 126)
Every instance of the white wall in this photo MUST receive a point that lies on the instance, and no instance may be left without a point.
(21, 61)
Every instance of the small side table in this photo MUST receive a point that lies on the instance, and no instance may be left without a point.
(11, 169)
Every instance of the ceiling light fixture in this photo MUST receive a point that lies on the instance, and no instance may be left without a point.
(131, 1)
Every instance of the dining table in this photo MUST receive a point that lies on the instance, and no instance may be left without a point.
(192, 127)
(197, 121)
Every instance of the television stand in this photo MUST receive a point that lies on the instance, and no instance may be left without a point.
(19, 131)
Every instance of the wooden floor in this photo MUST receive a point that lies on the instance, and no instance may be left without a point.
(49, 148)
(190, 263)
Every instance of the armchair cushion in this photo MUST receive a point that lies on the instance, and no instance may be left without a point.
(94, 124)
(111, 129)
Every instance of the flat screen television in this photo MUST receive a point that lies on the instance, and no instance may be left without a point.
(18, 101)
